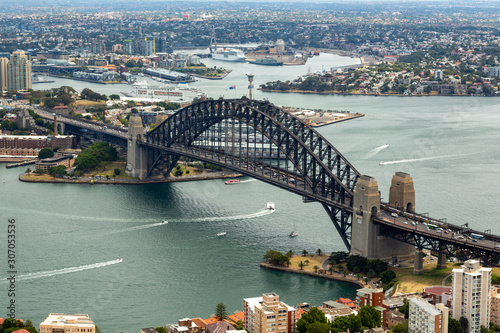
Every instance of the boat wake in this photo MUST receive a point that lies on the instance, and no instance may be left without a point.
(226, 218)
(375, 151)
(39, 275)
(414, 160)
(139, 227)
(248, 181)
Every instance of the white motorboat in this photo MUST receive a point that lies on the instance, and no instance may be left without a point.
(293, 234)
(270, 206)
(221, 234)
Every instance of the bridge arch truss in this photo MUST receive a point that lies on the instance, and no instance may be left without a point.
(263, 141)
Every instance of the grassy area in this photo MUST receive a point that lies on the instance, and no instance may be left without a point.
(184, 168)
(37, 176)
(431, 277)
(108, 169)
(86, 103)
(314, 260)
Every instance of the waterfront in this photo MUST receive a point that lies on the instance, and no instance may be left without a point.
(448, 144)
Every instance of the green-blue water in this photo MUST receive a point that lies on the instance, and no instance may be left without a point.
(182, 269)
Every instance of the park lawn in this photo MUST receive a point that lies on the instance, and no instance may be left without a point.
(37, 176)
(85, 103)
(108, 169)
(192, 171)
(431, 277)
(314, 260)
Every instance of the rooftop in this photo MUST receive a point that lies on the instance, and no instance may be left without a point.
(61, 320)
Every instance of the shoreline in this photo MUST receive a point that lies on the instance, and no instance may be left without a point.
(93, 181)
(335, 276)
(360, 94)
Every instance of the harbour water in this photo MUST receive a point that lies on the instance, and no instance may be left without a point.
(102, 250)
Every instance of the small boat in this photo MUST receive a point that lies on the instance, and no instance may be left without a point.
(164, 222)
(221, 234)
(270, 206)
(293, 234)
(232, 182)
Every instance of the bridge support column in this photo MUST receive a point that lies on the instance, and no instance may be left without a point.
(402, 192)
(137, 165)
(418, 266)
(441, 264)
(366, 239)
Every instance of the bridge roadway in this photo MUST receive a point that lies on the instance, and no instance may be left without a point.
(86, 124)
(451, 234)
(445, 232)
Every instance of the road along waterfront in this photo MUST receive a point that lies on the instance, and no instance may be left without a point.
(448, 145)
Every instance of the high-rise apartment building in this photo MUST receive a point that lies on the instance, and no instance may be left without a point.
(470, 294)
(18, 72)
(3, 74)
(427, 318)
(267, 314)
(128, 46)
(149, 46)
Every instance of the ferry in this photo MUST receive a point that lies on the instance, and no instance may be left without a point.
(232, 182)
(181, 93)
(221, 234)
(270, 206)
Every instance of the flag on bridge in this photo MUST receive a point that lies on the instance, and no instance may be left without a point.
(250, 86)
(232, 87)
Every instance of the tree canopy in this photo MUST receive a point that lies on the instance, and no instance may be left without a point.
(91, 157)
(220, 312)
(313, 316)
(276, 258)
(45, 153)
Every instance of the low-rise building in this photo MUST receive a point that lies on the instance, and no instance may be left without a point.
(46, 163)
(60, 322)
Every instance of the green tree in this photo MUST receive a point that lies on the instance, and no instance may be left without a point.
(400, 328)
(57, 171)
(116, 171)
(318, 252)
(304, 252)
(387, 276)
(220, 312)
(289, 254)
(114, 97)
(239, 325)
(318, 328)
(464, 322)
(276, 258)
(314, 315)
(315, 268)
(160, 329)
(454, 326)
(301, 265)
(405, 309)
(178, 173)
(369, 317)
(45, 153)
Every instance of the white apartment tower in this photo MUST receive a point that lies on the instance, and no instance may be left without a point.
(3, 74)
(427, 318)
(267, 314)
(470, 294)
(19, 72)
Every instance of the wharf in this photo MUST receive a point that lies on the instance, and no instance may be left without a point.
(19, 164)
(323, 118)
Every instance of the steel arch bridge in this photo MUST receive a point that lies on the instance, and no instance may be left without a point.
(263, 141)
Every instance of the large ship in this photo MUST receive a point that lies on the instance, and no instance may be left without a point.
(267, 62)
(225, 54)
(181, 93)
